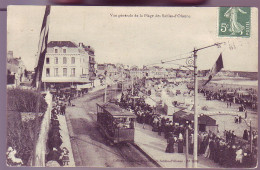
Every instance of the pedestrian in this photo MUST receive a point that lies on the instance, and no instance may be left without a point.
(170, 144)
(227, 105)
(64, 109)
(207, 151)
(58, 109)
(69, 101)
(159, 127)
(245, 135)
(239, 155)
(211, 148)
(180, 143)
(240, 119)
(233, 136)
(143, 120)
(245, 114)
(65, 156)
(191, 141)
(236, 119)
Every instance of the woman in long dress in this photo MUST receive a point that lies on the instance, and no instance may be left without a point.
(235, 26)
(170, 144)
(207, 152)
(180, 143)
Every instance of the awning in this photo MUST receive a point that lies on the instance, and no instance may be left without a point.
(65, 80)
(84, 86)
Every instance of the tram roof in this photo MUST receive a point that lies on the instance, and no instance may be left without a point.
(115, 110)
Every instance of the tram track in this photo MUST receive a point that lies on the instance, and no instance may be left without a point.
(128, 154)
(134, 155)
(131, 152)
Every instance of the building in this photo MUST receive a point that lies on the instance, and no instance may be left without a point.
(68, 64)
(156, 72)
(112, 71)
(136, 73)
(92, 62)
(15, 69)
(101, 68)
(109, 69)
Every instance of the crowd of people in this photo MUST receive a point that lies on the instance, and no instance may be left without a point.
(232, 96)
(54, 142)
(226, 150)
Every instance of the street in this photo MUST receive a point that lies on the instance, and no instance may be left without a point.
(89, 147)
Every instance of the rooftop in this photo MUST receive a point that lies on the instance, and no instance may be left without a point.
(115, 110)
(61, 44)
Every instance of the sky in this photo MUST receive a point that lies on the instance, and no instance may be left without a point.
(134, 40)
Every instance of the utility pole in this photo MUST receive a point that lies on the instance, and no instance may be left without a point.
(194, 65)
(195, 148)
(105, 96)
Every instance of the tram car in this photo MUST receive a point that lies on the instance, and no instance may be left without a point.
(115, 123)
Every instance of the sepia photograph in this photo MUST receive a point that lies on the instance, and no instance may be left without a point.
(131, 87)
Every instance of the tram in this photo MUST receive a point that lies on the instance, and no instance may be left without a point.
(115, 123)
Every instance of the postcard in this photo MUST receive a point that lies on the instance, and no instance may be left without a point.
(169, 87)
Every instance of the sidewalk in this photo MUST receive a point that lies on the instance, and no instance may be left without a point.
(66, 139)
(155, 145)
(96, 88)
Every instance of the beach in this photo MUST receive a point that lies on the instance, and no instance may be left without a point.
(230, 83)
(218, 109)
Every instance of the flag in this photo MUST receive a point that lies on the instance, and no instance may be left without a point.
(215, 69)
(42, 47)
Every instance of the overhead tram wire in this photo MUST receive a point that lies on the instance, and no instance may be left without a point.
(169, 61)
(182, 66)
(162, 62)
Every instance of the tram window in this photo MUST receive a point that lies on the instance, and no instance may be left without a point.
(124, 123)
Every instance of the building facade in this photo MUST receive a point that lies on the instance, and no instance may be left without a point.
(15, 69)
(68, 64)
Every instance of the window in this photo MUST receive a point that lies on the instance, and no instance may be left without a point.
(47, 60)
(56, 50)
(56, 72)
(47, 72)
(73, 70)
(64, 50)
(64, 60)
(56, 60)
(64, 72)
(72, 60)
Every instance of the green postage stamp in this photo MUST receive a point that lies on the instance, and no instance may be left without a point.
(234, 22)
